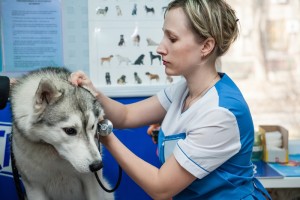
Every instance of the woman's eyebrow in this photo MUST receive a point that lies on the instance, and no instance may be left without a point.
(169, 32)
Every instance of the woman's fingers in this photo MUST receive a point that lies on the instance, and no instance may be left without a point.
(78, 78)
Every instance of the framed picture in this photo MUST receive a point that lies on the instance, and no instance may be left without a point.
(124, 36)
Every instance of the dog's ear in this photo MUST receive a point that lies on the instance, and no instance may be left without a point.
(46, 94)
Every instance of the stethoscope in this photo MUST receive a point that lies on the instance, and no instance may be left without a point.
(104, 128)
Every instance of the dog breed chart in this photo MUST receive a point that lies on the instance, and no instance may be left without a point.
(124, 36)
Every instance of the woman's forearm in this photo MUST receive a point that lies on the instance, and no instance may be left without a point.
(143, 173)
(133, 115)
(141, 113)
(162, 183)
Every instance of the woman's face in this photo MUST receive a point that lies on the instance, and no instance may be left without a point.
(180, 51)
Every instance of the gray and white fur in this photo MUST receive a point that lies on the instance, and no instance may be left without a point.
(54, 126)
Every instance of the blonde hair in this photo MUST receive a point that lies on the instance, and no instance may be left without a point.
(210, 19)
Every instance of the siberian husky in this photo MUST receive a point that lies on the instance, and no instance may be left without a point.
(53, 140)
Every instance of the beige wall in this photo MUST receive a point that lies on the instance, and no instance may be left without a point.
(265, 60)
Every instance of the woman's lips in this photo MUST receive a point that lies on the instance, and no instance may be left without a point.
(165, 62)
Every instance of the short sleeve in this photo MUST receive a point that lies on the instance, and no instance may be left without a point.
(212, 139)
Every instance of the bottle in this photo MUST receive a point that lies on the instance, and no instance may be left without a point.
(257, 151)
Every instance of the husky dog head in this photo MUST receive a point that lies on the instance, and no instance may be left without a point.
(48, 109)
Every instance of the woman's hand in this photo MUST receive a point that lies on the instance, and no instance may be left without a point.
(79, 78)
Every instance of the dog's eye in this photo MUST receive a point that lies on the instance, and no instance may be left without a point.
(70, 131)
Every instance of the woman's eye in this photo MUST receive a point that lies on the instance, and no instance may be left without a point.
(70, 131)
(173, 40)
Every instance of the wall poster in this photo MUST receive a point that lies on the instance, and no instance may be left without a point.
(123, 37)
(31, 34)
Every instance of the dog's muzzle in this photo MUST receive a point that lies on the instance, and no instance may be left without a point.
(95, 166)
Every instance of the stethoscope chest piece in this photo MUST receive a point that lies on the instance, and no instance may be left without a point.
(104, 127)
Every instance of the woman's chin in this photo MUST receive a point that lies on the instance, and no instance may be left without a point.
(169, 72)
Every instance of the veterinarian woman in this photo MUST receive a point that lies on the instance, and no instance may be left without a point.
(206, 137)
(4, 91)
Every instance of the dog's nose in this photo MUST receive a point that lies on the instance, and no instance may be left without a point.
(95, 166)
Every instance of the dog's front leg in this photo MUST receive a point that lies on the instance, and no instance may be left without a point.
(35, 192)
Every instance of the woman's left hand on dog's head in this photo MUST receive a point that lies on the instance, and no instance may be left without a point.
(79, 78)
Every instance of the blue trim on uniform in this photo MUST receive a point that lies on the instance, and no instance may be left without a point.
(167, 96)
(176, 136)
(160, 146)
(192, 159)
(162, 139)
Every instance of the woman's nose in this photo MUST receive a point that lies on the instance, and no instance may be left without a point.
(161, 49)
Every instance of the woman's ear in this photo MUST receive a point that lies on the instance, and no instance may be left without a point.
(208, 46)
